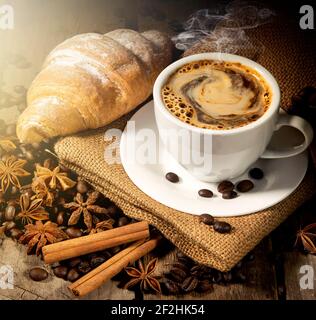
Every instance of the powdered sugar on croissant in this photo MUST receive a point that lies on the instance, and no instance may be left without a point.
(91, 80)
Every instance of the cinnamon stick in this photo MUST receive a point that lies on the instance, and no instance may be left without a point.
(95, 242)
(112, 267)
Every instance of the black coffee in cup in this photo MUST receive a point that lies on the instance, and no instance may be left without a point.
(214, 94)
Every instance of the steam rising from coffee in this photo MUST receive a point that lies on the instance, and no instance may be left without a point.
(225, 32)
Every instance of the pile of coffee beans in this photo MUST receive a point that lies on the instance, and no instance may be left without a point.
(226, 188)
(73, 269)
(187, 276)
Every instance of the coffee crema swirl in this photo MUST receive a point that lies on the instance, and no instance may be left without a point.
(216, 94)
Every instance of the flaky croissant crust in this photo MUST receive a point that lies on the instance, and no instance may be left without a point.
(91, 80)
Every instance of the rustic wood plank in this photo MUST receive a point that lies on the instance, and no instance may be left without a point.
(14, 255)
(261, 283)
(289, 259)
(293, 261)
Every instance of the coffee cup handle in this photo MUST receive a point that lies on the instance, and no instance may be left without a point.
(298, 123)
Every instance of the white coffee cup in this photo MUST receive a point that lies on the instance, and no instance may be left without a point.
(225, 154)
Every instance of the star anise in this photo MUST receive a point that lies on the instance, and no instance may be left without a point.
(307, 237)
(87, 208)
(54, 177)
(42, 192)
(143, 276)
(10, 169)
(40, 234)
(31, 209)
(103, 226)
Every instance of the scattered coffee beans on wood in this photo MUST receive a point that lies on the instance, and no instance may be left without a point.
(60, 272)
(189, 284)
(73, 262)
(172, 177)
(256, 173)
(225, 186)
(84, 267)
(73, 275)
(38, 274)
(171, 287)
(244, 186)
(73, 232)
(205, 193)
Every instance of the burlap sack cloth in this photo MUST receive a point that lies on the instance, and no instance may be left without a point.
(291, 64)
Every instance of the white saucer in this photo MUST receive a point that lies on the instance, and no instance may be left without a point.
(282, 176)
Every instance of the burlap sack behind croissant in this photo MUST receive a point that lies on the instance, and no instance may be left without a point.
(286, 57)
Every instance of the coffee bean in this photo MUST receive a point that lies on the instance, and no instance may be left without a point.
(181, 266)
(73, 262)
(73, 275)
(9, 213)
(222, 227)
(115, 250)
(178, 274)
(38, 274)
(206, 219)
(225, 186)
(245, 186)
(73, 232)
(84, 267)
(205, 193)
(256, 173)
(229, 195)
(172, 177)
(197, 270)
(60, 218)
(217, 277)
(61, 272)
(186, 261)
(204, 286)
(96, 261)
(123, 221)
(240, 276)
(189, 284)
(106, 254)
(82, 187)
(171, 287)
(91, 256)
(228, 277)
(112, 211)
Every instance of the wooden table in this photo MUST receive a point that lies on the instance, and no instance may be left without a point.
(42, 24)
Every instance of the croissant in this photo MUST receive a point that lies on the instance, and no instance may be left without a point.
(91, 80)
